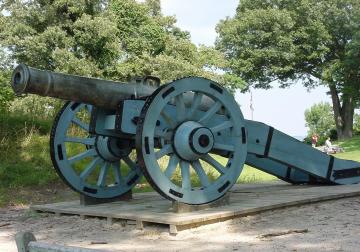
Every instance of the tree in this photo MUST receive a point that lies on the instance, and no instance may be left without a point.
(153, 45)
(320, 120)
(75, 37)
(115, 40)
(317, 41)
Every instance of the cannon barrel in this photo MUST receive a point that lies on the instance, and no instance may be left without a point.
(102, 93)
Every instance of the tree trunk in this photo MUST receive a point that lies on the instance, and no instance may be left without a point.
(348, 111)
(343, 113)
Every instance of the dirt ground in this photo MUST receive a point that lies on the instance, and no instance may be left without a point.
(327, 226)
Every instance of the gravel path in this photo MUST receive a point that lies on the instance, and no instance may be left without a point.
(327, 226)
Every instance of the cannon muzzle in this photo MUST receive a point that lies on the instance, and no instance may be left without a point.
(101, 93)
(20, 79)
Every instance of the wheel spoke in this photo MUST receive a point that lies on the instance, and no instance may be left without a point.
(180, 108)
(221, 126)
(204, 180)
(167, 149)
(215, 108)
(90, 168)
(195, 104)
(210, 160)
(163, 134)
(170, 169)
(117, 172)
(103, 174)
(225, 147)
(129, 162)
(85, 154)
(86, 141)
(168, 119)
(185, 175)
(80, 123)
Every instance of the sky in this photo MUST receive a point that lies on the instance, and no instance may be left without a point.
(280, 108)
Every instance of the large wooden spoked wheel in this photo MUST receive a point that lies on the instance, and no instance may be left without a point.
(191, 153)
(93, 165)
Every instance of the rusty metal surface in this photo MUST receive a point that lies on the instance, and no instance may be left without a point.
(93, 91)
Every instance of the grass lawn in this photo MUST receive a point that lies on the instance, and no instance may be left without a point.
(252, 175)
(352, 149)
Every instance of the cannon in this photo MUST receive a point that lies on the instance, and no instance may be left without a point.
(187, 137)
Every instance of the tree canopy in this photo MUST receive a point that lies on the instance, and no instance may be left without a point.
(316, 41)
(116, 39)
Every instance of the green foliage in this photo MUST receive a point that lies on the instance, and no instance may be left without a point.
(67, 36)
(281, 40)
(117, 40)
(140, 32)
(286, 40)
(320, 120)
(6, 93)
(273, 40)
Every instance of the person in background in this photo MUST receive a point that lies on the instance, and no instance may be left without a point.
(328, 143)
(314, 140)
(329, 148)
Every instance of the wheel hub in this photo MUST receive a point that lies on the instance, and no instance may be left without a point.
(191, 140)
(112, 149)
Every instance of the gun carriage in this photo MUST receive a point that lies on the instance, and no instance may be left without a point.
(170, 134)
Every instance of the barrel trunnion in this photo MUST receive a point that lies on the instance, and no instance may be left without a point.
(188, 138)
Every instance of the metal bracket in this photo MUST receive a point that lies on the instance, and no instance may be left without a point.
(346, 173)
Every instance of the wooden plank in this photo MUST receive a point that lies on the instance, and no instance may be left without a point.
(244, 200)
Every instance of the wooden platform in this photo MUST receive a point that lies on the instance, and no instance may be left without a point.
(246, 199)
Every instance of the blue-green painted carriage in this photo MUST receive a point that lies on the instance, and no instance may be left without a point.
(188, 138)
